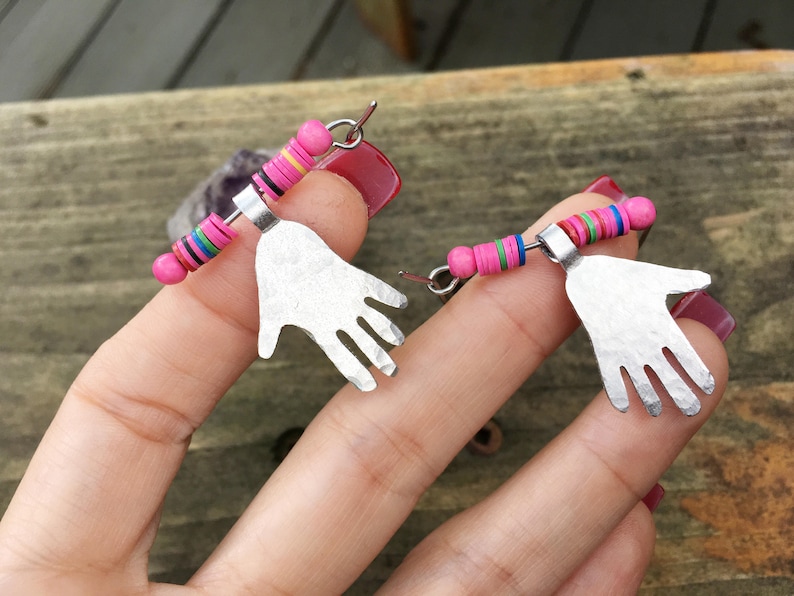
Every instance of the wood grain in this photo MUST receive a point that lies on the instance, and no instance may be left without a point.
(38, 39)
(511, 33)
(140, 47)
(391, 21)
(258, 42)
(348, 48)
(614, 26)
(86, 187)
(742, 25)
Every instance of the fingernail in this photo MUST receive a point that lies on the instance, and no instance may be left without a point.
(604, 185)
(701, 307)
(368, 170)
(654, 497)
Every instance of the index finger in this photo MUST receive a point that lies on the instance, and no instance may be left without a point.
(100, 474)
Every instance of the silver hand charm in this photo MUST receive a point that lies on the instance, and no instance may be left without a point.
(304, 283)
(621, 304)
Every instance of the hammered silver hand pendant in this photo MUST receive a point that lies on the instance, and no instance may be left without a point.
(621, 305)
(302, 282)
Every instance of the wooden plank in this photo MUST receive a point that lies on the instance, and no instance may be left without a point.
(738, 25)
(39, 38)
(140, 47)
(4, 6)
(349, 49)
(257, 42)
(629, 28)
(391, 21)
(480, 152)
(491, 34)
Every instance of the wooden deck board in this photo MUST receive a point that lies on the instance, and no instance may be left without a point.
(140, 47)
(38, 38)
(616, 28)
(5, 5)
(258, 42)
(49, 48)
(349, 50)
(741, 25)
(492, 34)
(692, 134)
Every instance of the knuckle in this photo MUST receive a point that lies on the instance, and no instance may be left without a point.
(391, 462)
(144, 418)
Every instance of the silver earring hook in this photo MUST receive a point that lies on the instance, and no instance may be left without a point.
(356, 133)
(353, 139)
(433, 280)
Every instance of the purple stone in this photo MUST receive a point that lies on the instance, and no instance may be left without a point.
(215, 193)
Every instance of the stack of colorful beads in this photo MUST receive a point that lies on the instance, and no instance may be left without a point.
(637, 213)
(500, 255)
(294, 161)
(273, 179)
(190, 252)
(486, 259)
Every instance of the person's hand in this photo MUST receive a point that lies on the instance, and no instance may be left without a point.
(86, 512)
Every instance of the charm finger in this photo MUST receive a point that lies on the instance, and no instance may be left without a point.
(599, 467)
(346, 362)
(370, 348)
(381, 325)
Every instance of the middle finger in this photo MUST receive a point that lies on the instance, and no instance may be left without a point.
(363, 463)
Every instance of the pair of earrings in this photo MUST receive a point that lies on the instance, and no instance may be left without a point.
(302, 282)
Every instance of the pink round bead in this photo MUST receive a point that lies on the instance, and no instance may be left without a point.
(314, 137)
(461, 262)
(642, 212)
(168, 270)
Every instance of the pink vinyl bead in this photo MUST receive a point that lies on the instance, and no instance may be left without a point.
(300, 154)
(168, 270)
(581, 231)
(277, 175)
(225, 229)
(178, 253)
(315, 137)
(214, 235)
(196, 250)
(186, 258)
(263, 187)
(487, 258)
(511, 251)
(287, 169)
(462, 262)
(600, 222)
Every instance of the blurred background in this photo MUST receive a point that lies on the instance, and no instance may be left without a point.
(68, 48)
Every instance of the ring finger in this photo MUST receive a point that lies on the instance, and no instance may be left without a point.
(361, 466)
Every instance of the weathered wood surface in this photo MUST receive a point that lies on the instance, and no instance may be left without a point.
(50, 48)
(86, 187)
